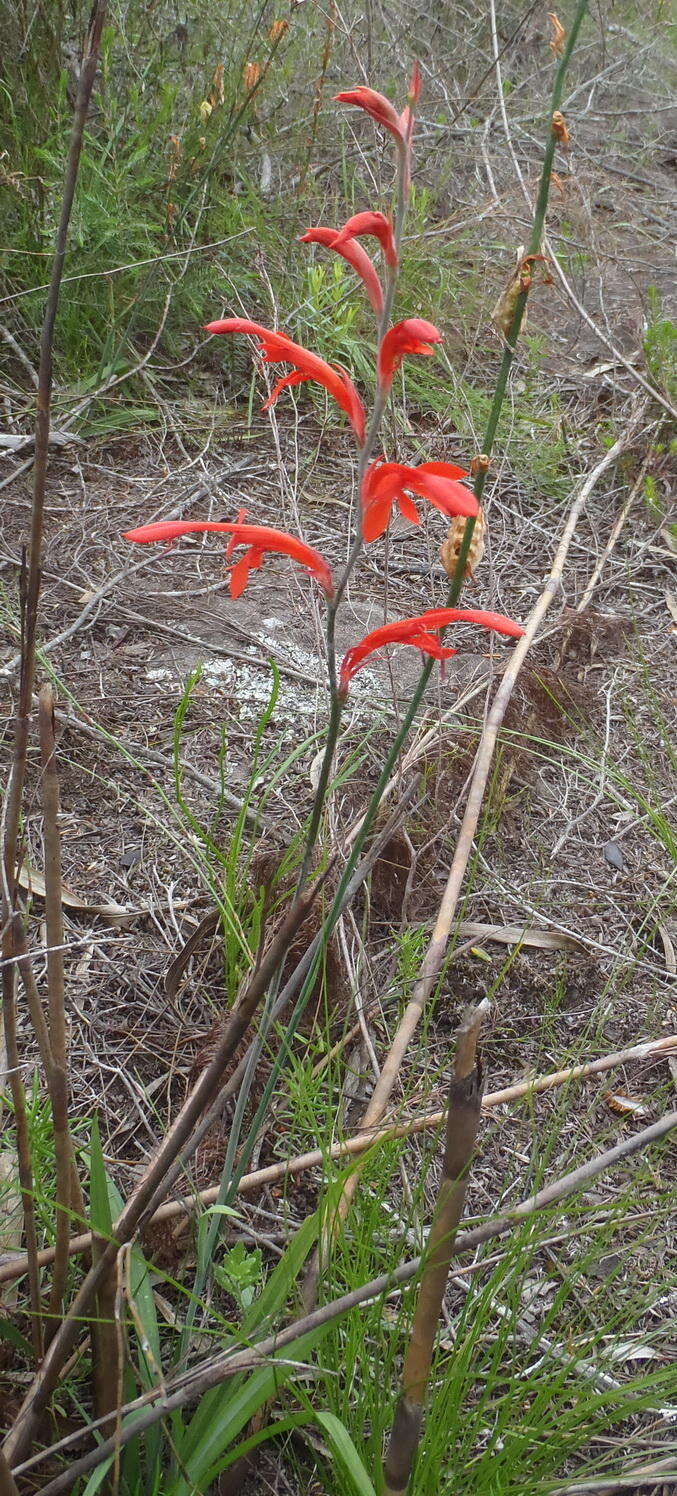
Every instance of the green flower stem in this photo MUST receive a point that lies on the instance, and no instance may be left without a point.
(535, 242)
(453, 595)
(377, 414)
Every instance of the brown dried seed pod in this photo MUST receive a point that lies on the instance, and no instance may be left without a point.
(558, 36)
(251, 73)
(559, 128)
(450, 550)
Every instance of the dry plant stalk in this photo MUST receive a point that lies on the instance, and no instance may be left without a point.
(8, 1485)
(68, 1193)
(361, 1141)
(450, 549)
(107, 1360)
(189, 1386)
(463, 1117)
(29, 597)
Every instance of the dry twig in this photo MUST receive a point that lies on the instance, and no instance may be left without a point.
(427, 1122)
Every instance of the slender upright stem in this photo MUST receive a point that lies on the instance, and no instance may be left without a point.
(30, 596)
(537, 232)
(68, 1193)
(366, 451)
(463, 1115)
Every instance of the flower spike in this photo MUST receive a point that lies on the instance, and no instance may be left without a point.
(386, 484)
(414, 335)
(374, 224)
(258, 539)
(277, 348)
(417, 632)
(355, 256)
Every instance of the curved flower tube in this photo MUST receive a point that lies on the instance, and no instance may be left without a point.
(417, 632)
(414, 335)
(380, 109)
(276, 347)
(385, 484)
(374, 225)
(355, 255)
(258, 538)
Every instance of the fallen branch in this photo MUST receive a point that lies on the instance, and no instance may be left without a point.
(191, 1385)
(428, 1122)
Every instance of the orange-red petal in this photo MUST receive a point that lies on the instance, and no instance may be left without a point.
(413, 335)
(374, 225)
(355, 255)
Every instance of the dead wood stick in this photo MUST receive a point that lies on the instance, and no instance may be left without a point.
(8, 1485)
(463, 1115)
(427, 1122)
(68, 1193)
(191, 1385)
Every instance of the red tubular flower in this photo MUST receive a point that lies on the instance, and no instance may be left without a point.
(277, 348)
(411, 336)
(385, 484)
(355, 256)
(380, 109)
(374, 224)
(417, 632)
(401, 126)
(258, 539)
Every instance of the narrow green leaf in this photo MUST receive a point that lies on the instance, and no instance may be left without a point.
(276, 1292)
(345, 1453)
(99, 1201)
(97, 1477)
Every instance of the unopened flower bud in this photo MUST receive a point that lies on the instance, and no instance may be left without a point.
(205, 110)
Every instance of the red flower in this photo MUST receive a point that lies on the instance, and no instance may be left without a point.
(416, 631)
(385, 484)
(374, 224)
(411, 336)
(376, 105)
(259, 539)
(381, 110)
(355, 255)
(277, 348)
